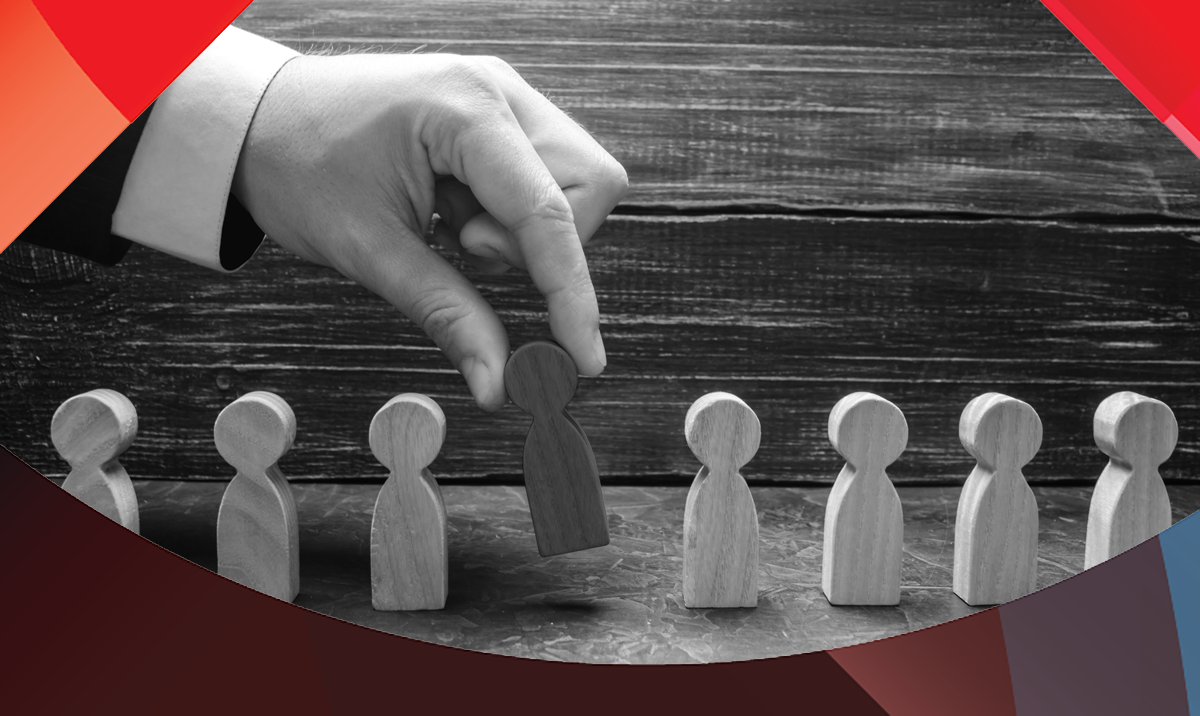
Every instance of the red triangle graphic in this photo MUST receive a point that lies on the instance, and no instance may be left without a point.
(133, 49)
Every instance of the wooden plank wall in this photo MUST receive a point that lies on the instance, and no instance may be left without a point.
(924, 199)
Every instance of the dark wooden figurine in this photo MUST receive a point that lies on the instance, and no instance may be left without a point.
(561, 477)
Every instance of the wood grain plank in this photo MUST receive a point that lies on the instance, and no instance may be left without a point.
(983, 107)
(1059, 315)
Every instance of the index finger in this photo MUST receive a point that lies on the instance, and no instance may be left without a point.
(504, 171)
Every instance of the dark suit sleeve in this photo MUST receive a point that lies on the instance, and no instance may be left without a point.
(79, 221)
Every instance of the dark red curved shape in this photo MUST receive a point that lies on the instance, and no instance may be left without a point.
(98, 616)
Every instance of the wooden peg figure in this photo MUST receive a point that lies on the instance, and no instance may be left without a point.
(1130, 503)
(561, 477)
(996, 531)
(409, 564)
(258, 537)
(91, 431)
(864, 524)
(720, 523)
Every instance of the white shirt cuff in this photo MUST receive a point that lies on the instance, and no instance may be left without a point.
(175, 193)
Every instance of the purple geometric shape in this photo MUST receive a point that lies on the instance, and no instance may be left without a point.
(1102, 642)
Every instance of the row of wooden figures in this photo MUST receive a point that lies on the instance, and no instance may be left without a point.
(257, 526)
(258, 537)
(996, 530)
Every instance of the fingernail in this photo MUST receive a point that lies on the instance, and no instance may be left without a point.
(598, 345)
(484, 251)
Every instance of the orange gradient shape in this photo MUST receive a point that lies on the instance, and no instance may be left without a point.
(53, 120)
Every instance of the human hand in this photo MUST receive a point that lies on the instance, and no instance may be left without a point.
(348, 157)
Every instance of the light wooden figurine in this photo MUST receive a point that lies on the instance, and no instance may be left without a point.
(1130, 503)
(720, 524)
(864, 524)
(561, 477)
(996, 530)
(258, 538)
(91, 431)
(409, 565)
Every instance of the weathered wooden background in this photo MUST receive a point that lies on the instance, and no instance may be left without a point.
(924, 199)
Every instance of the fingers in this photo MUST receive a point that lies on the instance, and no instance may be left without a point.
(510, 181)
(410, 275)
(484, 259)
(544, 185)
(593, 181)
(590, 204)
(484, 236)
(459, 210)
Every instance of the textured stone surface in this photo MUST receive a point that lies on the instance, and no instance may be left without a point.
(620, 603)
